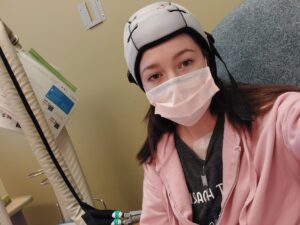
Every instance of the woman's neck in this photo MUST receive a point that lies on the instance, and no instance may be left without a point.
(204, 126)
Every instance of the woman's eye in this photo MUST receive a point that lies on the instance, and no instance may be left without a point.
(153, 77)
(186, 63)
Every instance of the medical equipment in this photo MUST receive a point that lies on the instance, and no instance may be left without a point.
(70, 209)
(55, 155)
(4, 197)
(4, 218)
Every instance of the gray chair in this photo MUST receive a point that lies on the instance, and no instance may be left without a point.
(260, 42)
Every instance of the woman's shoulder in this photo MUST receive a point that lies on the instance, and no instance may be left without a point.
(283, 105)
(279, 110)
(285, 115)
(289, 96)
(285, 102)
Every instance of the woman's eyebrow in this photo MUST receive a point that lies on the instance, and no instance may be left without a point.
(151, 66)
(181, 52)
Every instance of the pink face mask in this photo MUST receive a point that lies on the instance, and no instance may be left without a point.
(184, 99)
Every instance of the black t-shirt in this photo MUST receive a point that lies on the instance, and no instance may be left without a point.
(204, 177)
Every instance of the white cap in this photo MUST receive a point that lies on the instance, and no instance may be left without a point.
(151, 24)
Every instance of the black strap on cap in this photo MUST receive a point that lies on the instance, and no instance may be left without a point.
(211, 41)
(238, 100)
(130, 78)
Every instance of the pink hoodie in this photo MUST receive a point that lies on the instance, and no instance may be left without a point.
(261, 174)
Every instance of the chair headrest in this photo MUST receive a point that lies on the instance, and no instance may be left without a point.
(260, 42)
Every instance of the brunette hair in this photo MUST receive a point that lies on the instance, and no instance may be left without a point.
(240, 102)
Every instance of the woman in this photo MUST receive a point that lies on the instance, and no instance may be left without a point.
(215, 153)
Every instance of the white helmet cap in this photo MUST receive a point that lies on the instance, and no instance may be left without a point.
(152, 23)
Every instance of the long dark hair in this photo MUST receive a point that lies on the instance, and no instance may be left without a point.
(240, 102)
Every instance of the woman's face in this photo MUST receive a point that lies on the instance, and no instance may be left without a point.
(175, 57)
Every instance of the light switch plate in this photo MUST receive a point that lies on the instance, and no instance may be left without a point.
(98, 9)
(85, 16)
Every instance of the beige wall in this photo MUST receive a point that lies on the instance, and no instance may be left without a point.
(107, 127)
